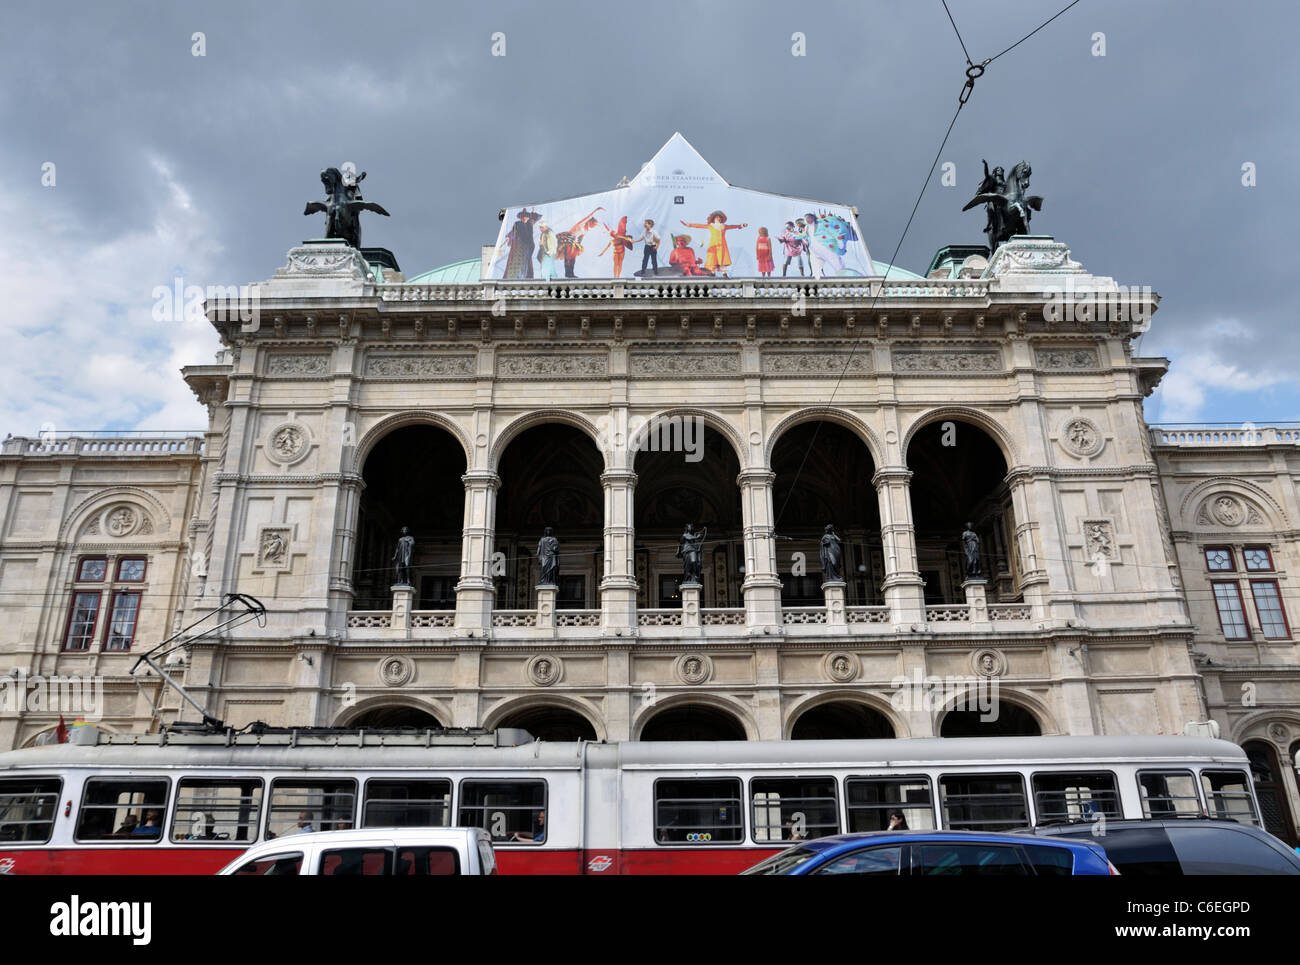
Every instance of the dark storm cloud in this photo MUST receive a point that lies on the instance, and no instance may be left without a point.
(1138, 153)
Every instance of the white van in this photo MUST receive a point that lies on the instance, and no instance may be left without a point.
(371, 851)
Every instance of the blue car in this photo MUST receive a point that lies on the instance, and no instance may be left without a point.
(937, 853)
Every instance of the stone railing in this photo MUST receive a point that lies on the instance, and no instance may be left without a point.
(803, 614)
(102, 446)
(722, 616)
(867, 614)
(682, 289)
(577, 618)
(1017, 612)
(659, 618)
(1245, 434)
(424, 619)
(370, 619)
(514, 618)
(959, 613)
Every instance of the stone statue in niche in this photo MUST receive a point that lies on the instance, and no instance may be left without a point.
(548, 555)
(690, 550)
(832, 554)
(402, 557)
(970, 550)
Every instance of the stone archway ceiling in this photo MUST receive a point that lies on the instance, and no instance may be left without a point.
(842, 720)
(949, 482)
(551, 724)
(413, 479)
(671, 492)
(395, 716)
(676, 186)
(832, 485)
(550, 476)
(1011, 721)
(693, 722)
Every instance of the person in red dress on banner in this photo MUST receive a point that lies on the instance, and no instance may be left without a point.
(763, 248)
(622, 242)
(683, 256)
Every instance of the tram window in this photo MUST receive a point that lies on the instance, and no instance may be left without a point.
(983, 802)
(274, 864)
(698, 811)
(1075, 797)
(1228, 795)
(426, 861)
(793, 808)
(357, 861)
(1169, 794)
(298, 806)
(27, 809)
(217, 810)
(872, 800)
(401, 804)
(112, 808)
(510, 811)
(969, 859)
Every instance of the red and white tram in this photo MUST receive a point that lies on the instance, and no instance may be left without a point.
(190, 803)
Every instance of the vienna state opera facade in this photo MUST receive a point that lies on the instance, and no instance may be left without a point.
(1126, 579)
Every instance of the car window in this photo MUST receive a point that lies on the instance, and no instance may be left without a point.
(1227, 851)
(782, 862)
(884, 860)
(1047, 860)
(357, 861)
(1135, 851)
(426, 861)
(273, 864)
(969, 859)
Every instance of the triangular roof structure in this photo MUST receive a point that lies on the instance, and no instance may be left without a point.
(705, 227)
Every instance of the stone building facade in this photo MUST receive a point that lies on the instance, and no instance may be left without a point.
(900, 409)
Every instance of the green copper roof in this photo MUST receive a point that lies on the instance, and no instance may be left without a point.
(457, 273)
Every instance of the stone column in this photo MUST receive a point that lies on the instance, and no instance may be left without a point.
(476, 592)
(1032, 500)
(903, 586)
(403, 600)
(762, 585)
(690, 604)
(618, 585)
(833, 593)
(546, 594)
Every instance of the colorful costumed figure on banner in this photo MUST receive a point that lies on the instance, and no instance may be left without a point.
(683, 257)
(650, 253)
(519, 263)
(718, 259)
(828, 241)
(763, 250)
(569, 243)
(621, 242)
(547, 247)
(793, 243)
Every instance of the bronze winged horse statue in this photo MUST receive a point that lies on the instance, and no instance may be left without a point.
(343, 207)
(1009, 208)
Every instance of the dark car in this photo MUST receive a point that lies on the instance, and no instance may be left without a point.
(967, 853)
(1183, 846)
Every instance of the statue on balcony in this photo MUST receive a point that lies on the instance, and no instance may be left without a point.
(832, 556)
(690, 549)
(344, 206)
(548, 555)
(970, 549)
(402, 557)
(1005, 202)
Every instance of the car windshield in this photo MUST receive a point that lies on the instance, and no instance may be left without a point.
(783, 863)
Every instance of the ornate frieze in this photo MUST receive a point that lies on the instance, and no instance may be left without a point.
(816, 364)
(915, 360)
(420, 366)
(533, 366)
(289, 364)
(1067, 358)
(684, 363)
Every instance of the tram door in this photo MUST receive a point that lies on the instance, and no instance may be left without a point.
(1270, 791)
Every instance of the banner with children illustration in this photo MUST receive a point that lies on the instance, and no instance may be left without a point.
(679, 218)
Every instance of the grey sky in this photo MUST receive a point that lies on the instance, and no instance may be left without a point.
(200, 166)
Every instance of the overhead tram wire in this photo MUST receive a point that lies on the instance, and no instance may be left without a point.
(973, 73)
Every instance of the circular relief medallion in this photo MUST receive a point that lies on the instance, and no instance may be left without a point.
(989, 663)
(841, 666)
(545, 669)
(121, 521)
(694, 668)
(1278, 732)
(287, 443)
(395, 671)
(1082, 437)
(1228, 511)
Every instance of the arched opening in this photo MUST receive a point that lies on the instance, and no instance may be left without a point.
(395, 715)
(550, 476)
(412, 479)
(686, 474)
(957, 478)
(693, 722)
(823, 477)
(551, 724)
(1005, 720)
(841, 720)
(1270, 790)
